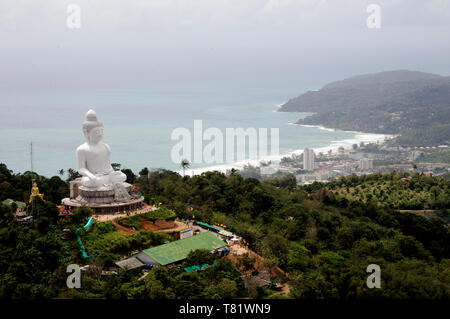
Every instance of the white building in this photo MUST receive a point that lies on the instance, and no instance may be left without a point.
(365, 164)
(308, 159)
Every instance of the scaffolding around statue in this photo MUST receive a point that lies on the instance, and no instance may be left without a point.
(105, 199)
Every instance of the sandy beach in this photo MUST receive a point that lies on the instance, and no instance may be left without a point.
(333, 146)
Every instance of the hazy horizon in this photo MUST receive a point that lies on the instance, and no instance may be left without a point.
(146, 43)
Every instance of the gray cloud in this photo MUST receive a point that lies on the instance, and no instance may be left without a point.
(174, 40)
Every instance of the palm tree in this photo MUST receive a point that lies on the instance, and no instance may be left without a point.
(72, 174)
(185, 164)
(61, 172)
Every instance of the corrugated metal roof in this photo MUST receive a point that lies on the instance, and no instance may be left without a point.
(179, 250)
(226, 233)
(129, 263)
(145, 259)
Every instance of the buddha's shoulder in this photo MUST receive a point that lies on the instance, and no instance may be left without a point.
(108, 149)
(83, 148)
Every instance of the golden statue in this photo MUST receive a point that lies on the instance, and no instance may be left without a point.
(35, 192)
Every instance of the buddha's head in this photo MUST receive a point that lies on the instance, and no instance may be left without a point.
(92, 128)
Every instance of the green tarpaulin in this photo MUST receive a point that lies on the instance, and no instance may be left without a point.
(208, 225)
(179, 250)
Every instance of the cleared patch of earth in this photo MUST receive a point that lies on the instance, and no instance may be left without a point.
(150, 226)
(106, 217)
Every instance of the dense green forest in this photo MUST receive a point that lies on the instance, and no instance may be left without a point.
(322, 239)
(413, 104)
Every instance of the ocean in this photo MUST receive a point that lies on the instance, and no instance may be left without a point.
(138, 122)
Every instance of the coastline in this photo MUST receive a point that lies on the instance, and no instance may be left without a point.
(333, 146)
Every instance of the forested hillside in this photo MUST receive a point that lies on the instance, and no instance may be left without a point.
(413, 104)
(323, 239)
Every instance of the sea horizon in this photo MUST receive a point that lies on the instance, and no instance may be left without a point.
(138, 124)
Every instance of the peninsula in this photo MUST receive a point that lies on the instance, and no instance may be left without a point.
(414, 105)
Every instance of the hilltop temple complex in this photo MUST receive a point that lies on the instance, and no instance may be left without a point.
(100, 187)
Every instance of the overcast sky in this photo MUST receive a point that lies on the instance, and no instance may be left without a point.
(137, 42)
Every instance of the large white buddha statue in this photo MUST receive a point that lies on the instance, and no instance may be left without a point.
(93, 157)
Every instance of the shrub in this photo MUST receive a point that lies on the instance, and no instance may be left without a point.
(133, 221)
(159, 214)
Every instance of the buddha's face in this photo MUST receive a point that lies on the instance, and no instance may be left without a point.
(96, 135)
